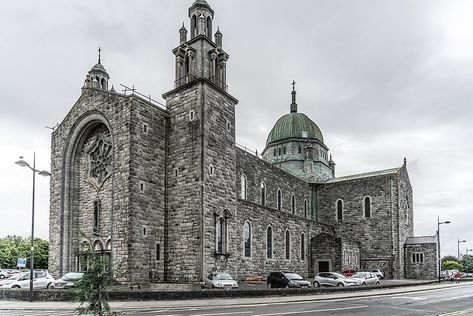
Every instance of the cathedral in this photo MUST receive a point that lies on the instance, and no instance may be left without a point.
(164, 194)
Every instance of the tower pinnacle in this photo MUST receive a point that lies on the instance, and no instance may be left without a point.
(293, 104)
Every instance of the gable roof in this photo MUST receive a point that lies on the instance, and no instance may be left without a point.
(421, 240)
(364, 175)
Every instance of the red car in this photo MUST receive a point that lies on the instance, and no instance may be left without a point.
(349, 272)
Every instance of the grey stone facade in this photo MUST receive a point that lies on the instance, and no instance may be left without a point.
(165, 194)
(420, 259)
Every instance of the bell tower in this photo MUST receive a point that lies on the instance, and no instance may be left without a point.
(201, 167)
(200, 56)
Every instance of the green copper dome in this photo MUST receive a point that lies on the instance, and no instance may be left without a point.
(294, 125)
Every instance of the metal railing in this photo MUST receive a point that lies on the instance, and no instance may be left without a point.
(246, 149)
(132, 91)
(219, 83)
(183, 80)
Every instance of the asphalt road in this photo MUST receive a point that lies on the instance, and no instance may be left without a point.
(452, 300)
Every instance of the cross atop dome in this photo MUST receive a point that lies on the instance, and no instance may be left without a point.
(293, 104)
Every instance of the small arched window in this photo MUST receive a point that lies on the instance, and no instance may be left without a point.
(209, 27)
(269, 242)
(305, 208)
(299, 149)
(263, 194)
(293, 204)
(279, 201)
(288, 245)
(339, 210)
(302, 247)
(247, 238)
(220, 235)
(284, 150)
(193, 26)
(367, 206)
(243, 187)
(97, 207)
(275, 152)
(279, 151)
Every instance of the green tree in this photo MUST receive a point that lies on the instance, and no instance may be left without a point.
(14, 247)
(451, 265)
(467, 263)
(92, 289)
(449, 258)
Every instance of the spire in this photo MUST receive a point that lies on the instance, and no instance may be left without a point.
(99, 54)
(218, 37)
(183, 34)
(293, 104)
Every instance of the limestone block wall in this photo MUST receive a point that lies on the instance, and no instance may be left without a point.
(375, 234)
(428, 269)
(147, 191)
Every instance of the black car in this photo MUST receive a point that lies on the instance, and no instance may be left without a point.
(286, 280)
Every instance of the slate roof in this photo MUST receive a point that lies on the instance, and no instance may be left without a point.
(421, 240)
(292, 125)
(364, 175)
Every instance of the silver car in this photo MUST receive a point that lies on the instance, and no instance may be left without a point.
(69, 280)
(41, 280)
(365, 278)
(332, 279)
(220, 280)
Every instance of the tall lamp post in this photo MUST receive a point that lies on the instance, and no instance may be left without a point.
(459, 241)
(43, 173)
(438, 242)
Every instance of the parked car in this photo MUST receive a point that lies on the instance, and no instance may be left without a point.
(332, 279)
(379, 273)
(5, 273)
(366, 278)
(286, 280)
(41, 280)
(220, 280)
(67, 281)
(349, 272)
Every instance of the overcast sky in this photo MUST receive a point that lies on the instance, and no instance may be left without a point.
(383, 80)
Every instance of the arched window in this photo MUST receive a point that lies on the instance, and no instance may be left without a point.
(263, 194)
(243, 187)
(302, 247)
(220, 235)
(339, 210)
(96, 215)
(284, 150)
(305, 208)
(367, 206)
(269, 242)
(288, 245)
(279, 201)
(275, 152)
(247, 238)
(193, 26)
(209, 27)
(279, 151)
(299, 149)
(293, 204)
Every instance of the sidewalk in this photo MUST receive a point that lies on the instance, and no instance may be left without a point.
(149, 305)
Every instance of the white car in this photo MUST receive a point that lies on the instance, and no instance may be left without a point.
(332, 279)
(220, 280)
(365, 278)
(41, 280)
(5, 274)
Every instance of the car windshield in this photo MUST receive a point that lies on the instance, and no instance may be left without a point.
(360, 275)
(71, 276)
(293, 276)
(338, 275)
(223, 276)
(18, 276)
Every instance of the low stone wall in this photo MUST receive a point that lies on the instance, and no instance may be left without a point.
(140, 295)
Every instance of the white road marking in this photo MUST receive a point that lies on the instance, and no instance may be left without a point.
(409, 298)
(231, 313)
(314, 311)
(462, 312)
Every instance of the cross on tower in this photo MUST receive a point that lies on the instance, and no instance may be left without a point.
(99, 53)
(293, 85)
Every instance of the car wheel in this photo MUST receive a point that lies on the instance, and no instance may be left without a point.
(213, 286)
(49, 285)
(316, 284)
(340, 285)
(377, 283)
(363, 283)
(287, 286)
(15, 287)
(270, 286)
(2, 276)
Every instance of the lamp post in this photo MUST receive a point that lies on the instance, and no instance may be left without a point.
(438, 242)
(459, 241)
(44, 173)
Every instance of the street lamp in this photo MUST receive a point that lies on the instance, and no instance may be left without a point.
(438, 242)
(459, 241)
(43, 173)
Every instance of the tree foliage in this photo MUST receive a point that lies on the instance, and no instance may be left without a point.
(92, 289)
(14, 247)
(449, 258)
(467, 263)
(451, 265)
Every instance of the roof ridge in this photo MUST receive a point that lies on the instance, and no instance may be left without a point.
(365, 175)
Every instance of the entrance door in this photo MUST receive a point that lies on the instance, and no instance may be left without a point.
(324, 266)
